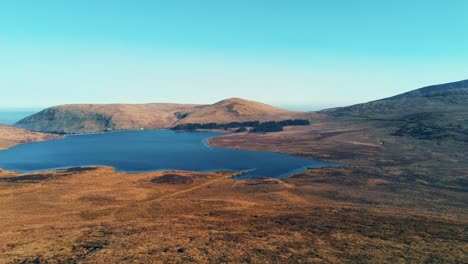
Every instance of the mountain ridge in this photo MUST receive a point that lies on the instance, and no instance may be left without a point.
(429, 98)
(431, 89)
(89, 118)
(431, 112)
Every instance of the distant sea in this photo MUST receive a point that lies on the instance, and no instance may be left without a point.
(9, 117)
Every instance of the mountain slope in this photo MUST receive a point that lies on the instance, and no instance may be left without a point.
(10, 136)
(238, 110)
(89, 118)
(443, 97)
(433, 112)
(431, 90)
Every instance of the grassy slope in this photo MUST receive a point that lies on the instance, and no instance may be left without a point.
(408, 153)
(100, 216)
(444, 88)
(433, 115)
(97, 118)
(11, 136)
(422, 137)
(239, 110)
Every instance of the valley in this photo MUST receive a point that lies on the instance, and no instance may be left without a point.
(402, 196)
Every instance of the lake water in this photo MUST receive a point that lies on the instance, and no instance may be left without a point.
(151, 150)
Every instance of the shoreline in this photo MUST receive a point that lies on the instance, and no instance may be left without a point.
(205, 142)
(78, 169)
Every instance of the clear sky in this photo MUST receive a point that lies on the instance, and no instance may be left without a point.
(295, 53)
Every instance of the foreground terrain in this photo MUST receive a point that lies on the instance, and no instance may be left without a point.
(96, 215)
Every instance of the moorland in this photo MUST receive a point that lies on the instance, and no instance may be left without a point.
(401, 198)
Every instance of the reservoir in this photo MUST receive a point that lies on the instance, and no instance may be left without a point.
(150, 150)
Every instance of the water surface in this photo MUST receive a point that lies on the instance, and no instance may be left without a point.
(9, 117)
(136, 151)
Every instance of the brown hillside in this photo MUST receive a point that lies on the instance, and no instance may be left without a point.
(10, 136)
(237, 109)
(134, 116)
(90, 118)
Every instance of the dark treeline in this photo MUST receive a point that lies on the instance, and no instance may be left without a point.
(294, 122)
(265, 127)
(257, 127)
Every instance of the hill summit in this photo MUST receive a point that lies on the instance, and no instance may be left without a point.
(91, 118)
(237, 109)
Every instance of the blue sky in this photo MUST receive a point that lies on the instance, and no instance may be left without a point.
(306, 54)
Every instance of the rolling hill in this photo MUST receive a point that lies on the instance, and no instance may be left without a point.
(90, 118)
(432, 112)
(238, 110)
(441, 97)
(10, 136)
(432, 90)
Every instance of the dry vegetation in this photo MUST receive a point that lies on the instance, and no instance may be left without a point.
(11, 136)
(401, 198)
(329, 215)
(88, 118)
(239, 110)
(405, 175)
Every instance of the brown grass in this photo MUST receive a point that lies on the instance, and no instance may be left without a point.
(11, 136)
(89, 118)
(398, 200)
(237, 109)
(102, 216)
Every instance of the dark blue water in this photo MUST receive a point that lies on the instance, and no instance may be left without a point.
(136, 151)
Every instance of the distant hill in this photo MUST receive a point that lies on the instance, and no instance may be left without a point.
(431, 112)
(10, 136)
(431, 90)
(443, 97)
(238, 110)
(89, 118)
